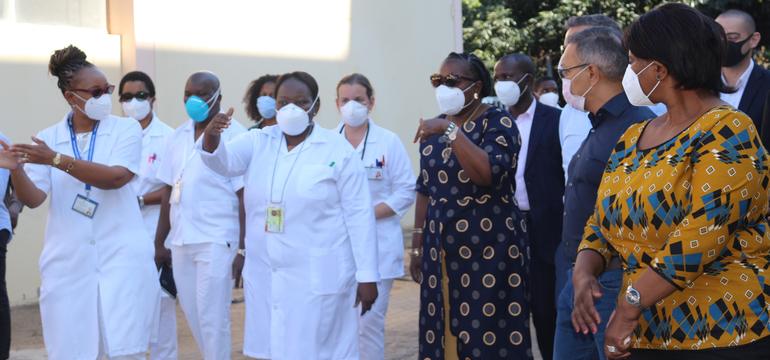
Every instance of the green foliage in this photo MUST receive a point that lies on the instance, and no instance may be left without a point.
(493, 28)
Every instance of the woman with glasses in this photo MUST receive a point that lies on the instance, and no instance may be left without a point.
(98, 282)
(137, 97)
(469, 245)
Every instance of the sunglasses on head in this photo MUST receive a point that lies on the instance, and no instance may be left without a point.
(97, 92)
(142, 95)
(450, 80)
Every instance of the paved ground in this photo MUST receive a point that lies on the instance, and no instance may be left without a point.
(401, 334)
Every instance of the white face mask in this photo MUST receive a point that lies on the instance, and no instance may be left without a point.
(577, 102)
(550, 99)
(137, 109)
(509, 92)
(96, 108)
(292, 119)
(633, 87)
(451, 100)
(354, 114)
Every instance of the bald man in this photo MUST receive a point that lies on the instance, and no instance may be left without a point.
(202, 215)
(750, 81)
(539, 185)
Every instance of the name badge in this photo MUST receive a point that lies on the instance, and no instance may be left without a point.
(274, 221)
(176, 193)
(85, 206)
(374, 173)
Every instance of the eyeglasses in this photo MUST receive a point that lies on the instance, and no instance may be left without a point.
(142, 95)
(97, 92)
(563, 71)
(450, 80)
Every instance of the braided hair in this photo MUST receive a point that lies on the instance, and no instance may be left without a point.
(479, 70)
(65, 63)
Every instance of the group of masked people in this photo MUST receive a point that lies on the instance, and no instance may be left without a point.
(142, 217)
(629, 223)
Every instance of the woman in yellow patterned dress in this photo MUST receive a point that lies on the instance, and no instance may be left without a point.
(683, 202)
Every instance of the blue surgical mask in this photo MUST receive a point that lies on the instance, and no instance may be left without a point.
(198, 109)
(266, 107)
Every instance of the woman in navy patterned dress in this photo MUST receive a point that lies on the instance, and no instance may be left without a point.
(469, 245)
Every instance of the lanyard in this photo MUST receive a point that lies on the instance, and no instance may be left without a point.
(91, 146)
(189, 158)
(288, 176)
(366, 138)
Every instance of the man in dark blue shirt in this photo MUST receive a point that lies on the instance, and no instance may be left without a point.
(593, 62)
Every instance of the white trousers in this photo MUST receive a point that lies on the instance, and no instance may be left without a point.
(163, 343)
(371, 326)
(203, 276)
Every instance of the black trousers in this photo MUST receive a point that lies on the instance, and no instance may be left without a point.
(758, 350)
(5, 308)
(542, 298)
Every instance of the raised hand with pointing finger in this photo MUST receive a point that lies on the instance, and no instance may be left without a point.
(214, 129)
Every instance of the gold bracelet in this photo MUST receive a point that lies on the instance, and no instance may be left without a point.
(415, 252)
(417, 230)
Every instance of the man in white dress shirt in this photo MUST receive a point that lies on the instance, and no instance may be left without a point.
(202, 216)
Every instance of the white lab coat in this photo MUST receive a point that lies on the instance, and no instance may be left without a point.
(385, 154)
(153, 145)
(300, 285)
(107, 259)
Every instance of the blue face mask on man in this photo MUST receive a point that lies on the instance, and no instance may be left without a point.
(197, 108)
(266, 107)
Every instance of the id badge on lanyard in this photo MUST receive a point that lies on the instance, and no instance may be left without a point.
(176, 190)
(274, 221)
(83, 204)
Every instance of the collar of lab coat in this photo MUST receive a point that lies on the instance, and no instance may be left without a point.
(63, 130)
(375, 131)
(319, 134)
(154, 130)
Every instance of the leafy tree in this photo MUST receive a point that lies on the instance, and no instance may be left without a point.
(493, 28)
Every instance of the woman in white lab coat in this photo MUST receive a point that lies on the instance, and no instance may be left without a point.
(391, 186)
(97, 293)
(311, 252)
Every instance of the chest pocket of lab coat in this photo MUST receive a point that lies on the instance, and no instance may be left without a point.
(315, 182)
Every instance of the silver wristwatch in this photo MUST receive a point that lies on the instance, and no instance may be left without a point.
(633, 297)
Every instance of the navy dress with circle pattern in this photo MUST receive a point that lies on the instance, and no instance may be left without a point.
(483, 238)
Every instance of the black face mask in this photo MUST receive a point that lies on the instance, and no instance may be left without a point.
(734, 53)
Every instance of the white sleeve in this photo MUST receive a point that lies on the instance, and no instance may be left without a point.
(402, 194)
(128, 147)
(358, 213)
(230, 158)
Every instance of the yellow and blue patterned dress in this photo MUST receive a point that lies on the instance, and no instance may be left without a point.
(693, 210)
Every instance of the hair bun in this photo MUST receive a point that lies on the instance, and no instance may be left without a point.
(65, 60)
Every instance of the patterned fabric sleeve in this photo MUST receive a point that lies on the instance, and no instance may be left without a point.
(594, 240)
(728, 193)
(501, 143)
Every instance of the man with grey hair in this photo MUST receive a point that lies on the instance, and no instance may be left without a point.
(592, 68)
(574, 124)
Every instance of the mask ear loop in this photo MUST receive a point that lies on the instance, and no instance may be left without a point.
(657, 77)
